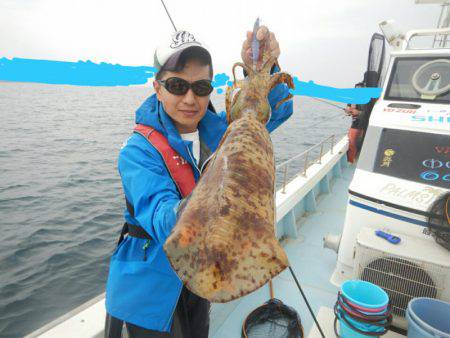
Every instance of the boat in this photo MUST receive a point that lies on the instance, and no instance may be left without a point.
(331, 204)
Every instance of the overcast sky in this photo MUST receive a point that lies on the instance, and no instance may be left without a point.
(325, 41)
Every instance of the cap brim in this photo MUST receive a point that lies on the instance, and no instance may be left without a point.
(172, 62)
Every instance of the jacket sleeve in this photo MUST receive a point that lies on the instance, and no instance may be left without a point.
(149, 189)
(284, 111)
(279, 115)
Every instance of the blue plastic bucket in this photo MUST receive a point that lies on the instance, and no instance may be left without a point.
(428, 317)
(365, 294)
(346, 331)
(369, 299)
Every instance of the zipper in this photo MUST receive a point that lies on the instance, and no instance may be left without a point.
(193, 160)
(145, 247)
(174, 308)
(206, 162)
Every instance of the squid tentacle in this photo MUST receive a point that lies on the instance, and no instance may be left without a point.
(282, 78)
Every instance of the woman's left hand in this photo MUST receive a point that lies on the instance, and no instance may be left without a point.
(268, 45)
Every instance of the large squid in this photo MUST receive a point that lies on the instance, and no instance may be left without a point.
(223, 245)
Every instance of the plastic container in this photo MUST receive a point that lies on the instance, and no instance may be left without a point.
(428, 317)
(366, 297)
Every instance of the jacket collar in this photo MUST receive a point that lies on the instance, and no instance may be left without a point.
(211, 127)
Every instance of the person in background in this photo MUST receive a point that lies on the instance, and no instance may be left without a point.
(177, 131)
(357, 128)
(439, 220)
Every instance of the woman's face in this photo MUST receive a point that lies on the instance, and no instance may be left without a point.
(185, 110)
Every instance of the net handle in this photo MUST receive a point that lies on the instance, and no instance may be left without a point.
(271, 289)
(244, 328)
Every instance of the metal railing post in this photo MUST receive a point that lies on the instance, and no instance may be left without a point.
(285, 178)
(306, 164)
(332, 143)
(321, 153)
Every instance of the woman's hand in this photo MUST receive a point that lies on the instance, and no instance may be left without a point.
(351, 110)
(268, 45)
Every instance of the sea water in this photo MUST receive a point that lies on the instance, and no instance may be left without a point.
(61, 199)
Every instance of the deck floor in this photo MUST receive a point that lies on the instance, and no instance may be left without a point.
(312, 264)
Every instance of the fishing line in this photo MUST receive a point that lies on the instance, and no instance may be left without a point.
(325, 119)
(170, 18)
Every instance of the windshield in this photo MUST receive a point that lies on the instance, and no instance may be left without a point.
(423, 79)
(414, 156)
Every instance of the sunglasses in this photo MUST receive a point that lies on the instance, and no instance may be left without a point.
(178, 86)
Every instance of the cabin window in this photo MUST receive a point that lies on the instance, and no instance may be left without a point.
(414, 156)
(420, 79)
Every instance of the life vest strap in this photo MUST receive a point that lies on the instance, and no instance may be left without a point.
(133, 231)
(179, 169)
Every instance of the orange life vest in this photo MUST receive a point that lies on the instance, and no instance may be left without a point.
(179, 169)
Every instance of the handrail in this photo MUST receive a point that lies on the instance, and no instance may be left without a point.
(443, 33)
(308, 159)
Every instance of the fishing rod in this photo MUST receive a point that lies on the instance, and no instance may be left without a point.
(331, 104)
(256, 26)
(168, 14)
(255, 47)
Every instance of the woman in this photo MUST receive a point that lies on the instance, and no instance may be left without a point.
(356, 132)
(177, 130)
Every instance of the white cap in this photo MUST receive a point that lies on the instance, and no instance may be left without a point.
(172, 49)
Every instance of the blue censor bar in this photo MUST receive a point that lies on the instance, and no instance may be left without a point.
(81, 73)
(345, 95)
(88, 73)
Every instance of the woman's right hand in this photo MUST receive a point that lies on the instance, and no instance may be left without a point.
(352, 111)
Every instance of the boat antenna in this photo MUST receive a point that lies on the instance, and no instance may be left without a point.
(168, 14)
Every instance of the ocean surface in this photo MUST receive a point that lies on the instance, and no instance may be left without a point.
(61, 199)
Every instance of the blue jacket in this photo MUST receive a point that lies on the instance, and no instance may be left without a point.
(145, 292)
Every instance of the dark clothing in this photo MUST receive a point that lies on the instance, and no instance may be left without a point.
(356, 132)
(190, 320)
(365, 115)
(358, 122)
(355, 122)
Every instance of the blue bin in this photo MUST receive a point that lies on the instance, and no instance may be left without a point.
(346, 331)
(428, 318)
(366, 296)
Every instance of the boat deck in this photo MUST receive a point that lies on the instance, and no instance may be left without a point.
(312, 264)
(318, 200)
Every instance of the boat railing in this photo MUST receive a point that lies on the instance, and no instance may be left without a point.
(88, 318)
(437, 38)
(301, 162)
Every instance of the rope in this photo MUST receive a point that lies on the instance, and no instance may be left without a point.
(342, 309)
